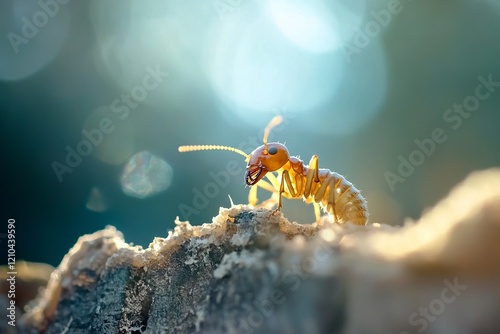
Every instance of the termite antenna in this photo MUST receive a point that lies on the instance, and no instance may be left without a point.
(274, 122)
(190, 148)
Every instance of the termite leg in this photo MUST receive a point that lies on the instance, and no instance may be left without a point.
(335, 213)
(291, 189)
(274, 180)
(280, 193)
(333, 191)
(329, 183)
(271, 202)
(285, 178)
(252, 194)
(312, 173)
(317, 212)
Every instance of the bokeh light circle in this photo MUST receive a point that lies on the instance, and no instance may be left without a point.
(360, 97)
(136, 35)
(32, 36)
(243, 72)
(307, 24)
(146, 175)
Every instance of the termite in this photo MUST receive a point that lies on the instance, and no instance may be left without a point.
(321, 187)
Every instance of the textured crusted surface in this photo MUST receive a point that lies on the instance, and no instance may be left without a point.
(252, 272)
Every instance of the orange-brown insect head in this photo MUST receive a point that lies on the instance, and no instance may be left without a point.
(266, 158)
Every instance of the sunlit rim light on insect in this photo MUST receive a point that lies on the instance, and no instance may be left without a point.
(324, 188)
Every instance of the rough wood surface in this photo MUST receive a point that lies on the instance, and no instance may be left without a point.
(252, 272)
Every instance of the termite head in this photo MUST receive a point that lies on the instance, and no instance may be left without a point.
(266, 158)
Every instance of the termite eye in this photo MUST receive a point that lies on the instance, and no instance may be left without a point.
(273, 150)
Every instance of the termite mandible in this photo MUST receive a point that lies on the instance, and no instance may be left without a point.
(318, 186)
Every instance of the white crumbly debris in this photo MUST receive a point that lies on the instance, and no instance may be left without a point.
(245, 258)
(240, 239)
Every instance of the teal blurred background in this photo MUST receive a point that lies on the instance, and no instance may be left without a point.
(96, 96)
